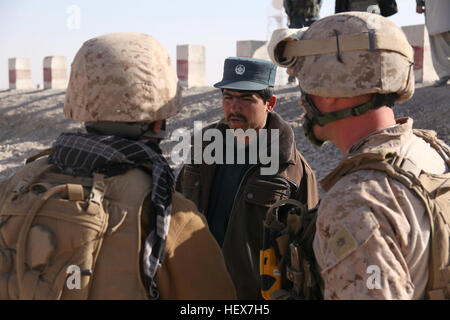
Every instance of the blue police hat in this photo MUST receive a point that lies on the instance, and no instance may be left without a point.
(247, 74)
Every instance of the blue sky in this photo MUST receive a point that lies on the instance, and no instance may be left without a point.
(35, 29)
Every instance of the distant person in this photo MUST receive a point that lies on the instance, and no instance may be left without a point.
(385, 8)
(437, 20)
(302, 13)
(235, 195)
(99, 207)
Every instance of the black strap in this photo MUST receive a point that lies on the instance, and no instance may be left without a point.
(376, 102)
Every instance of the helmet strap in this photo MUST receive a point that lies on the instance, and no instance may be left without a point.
(314, 116)
(321, 119)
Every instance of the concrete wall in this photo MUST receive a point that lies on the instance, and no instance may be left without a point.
(258, 50)
(191, 68)
(19, 73)
(423, 65)
(55, 72)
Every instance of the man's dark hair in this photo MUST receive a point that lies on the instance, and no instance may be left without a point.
(265, 94)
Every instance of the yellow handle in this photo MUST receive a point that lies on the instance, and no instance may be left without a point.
(270, 275)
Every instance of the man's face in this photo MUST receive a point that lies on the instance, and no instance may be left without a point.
(246, 109)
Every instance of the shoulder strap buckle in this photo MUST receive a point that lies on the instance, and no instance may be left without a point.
(405, 164)
(97, 194)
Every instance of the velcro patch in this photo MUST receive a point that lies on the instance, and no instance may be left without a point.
(341, 243)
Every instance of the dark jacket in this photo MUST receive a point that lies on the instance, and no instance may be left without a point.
(341, 6)
(387, 7)
(256, 193)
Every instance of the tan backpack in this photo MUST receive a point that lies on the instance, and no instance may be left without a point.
(432, 189)
(64, 237)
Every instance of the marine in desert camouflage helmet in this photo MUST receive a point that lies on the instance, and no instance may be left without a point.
(346, 55)
(121, 84)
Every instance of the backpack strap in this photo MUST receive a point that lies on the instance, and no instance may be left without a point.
(24, 183)
(97, 194)
(38, 155)
(348, 164)
(430, 137)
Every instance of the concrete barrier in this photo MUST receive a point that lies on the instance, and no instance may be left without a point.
(191, 68)
(55, 72)
(423, 65)
(19, 73)
(258, 50)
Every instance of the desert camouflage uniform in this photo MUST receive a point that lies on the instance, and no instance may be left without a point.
(368, 221)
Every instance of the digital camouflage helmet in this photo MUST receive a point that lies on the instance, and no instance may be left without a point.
(346, 55)
(122, 78)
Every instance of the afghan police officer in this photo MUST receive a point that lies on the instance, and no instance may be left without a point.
(373, 232)
(235, 195)
(133, 237)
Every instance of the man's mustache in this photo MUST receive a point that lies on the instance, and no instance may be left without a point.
(236, 115)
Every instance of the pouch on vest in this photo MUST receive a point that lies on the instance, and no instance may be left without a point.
(432, 189)
(288, 269)
(50, 235)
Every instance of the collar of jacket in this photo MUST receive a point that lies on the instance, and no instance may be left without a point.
(286, 136)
